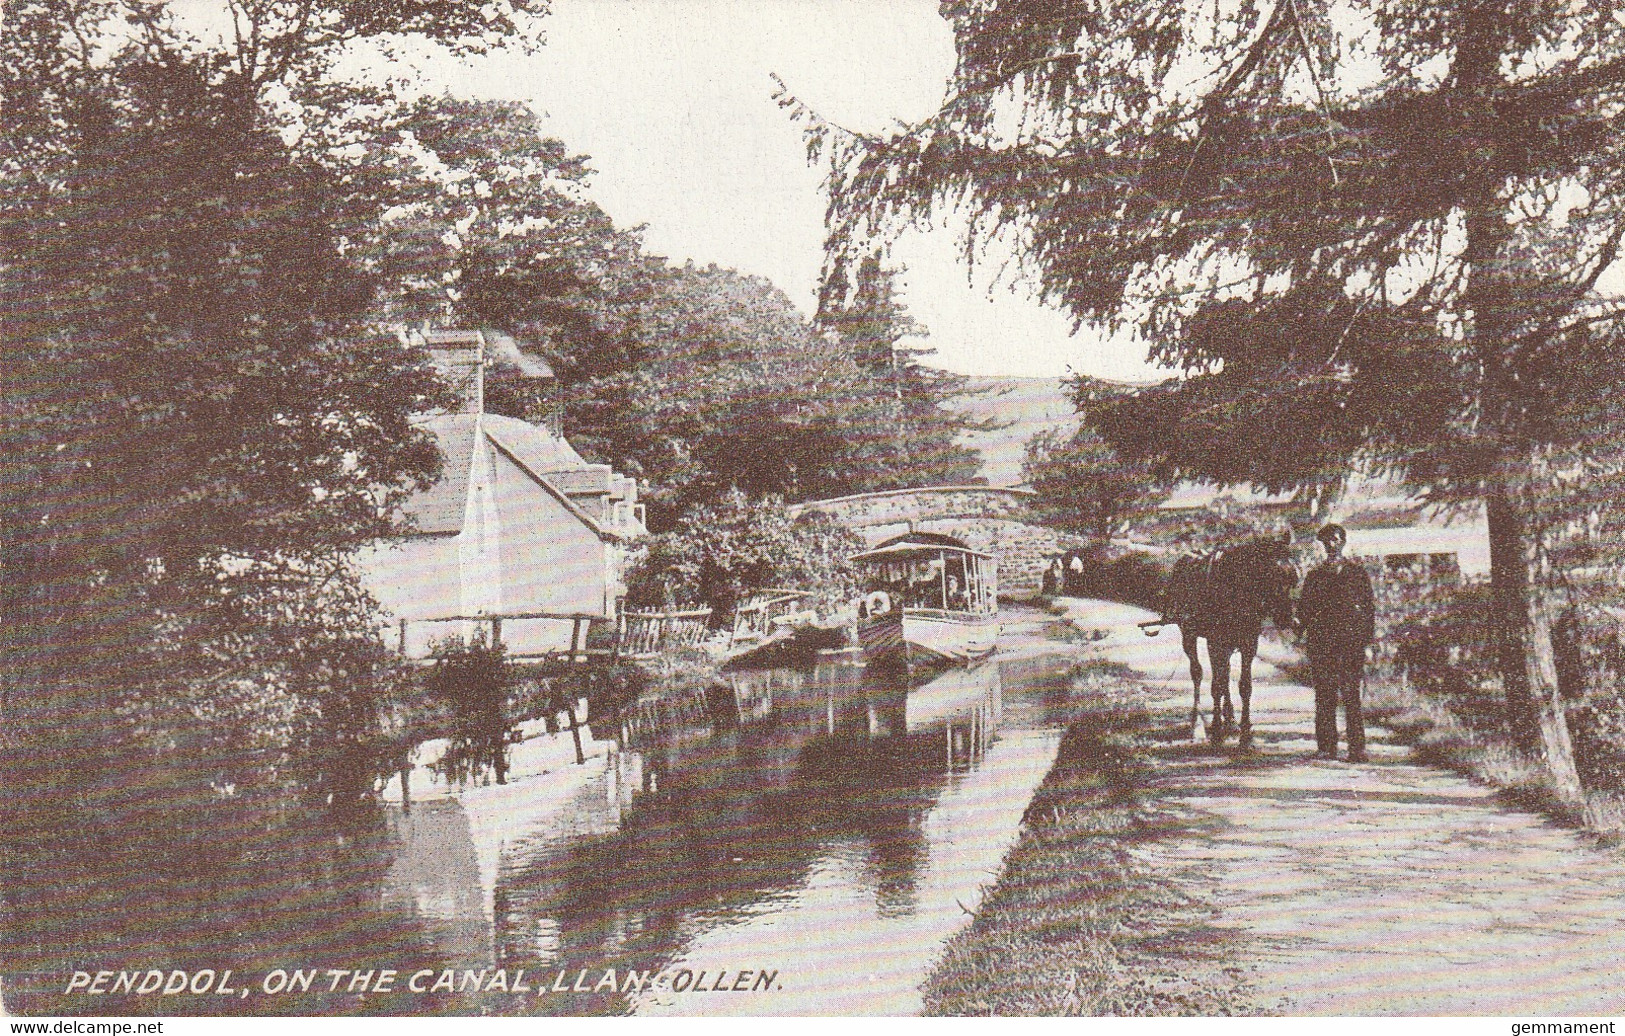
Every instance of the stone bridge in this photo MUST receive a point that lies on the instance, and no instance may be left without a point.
(995, 519)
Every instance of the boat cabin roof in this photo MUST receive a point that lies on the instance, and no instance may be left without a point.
(915, 544)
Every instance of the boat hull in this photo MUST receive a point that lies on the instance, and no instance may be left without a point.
(920, 636)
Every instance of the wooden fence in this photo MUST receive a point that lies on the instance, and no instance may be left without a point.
(533, 635)
(642, 634)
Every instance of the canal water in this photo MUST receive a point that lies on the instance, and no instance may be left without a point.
(795, 842)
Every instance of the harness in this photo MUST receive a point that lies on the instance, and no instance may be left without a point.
(1187, 606)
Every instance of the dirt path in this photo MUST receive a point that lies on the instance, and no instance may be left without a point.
(1381, 889)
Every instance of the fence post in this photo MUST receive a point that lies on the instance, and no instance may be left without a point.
(575, 733)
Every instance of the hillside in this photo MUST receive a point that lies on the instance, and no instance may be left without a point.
(1021, 407)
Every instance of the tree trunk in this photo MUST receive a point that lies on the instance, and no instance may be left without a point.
(1523, 632)
(499, 751)
(1521, 613)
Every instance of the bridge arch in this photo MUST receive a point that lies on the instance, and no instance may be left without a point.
(996, 519)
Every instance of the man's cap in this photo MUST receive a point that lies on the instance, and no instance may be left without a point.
(1332, 531)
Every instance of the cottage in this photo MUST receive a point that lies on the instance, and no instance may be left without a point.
(520, 536)
(1385, 523)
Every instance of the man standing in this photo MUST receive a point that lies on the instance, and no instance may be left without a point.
(1338, 616)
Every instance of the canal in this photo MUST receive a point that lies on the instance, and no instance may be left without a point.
(795, 842)
(786, 842)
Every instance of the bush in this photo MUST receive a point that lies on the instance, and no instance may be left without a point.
(546, 688)
(720, 553)
(473, 681)
(1590, 649)
(1441, 638)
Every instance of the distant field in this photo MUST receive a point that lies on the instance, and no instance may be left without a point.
(1022, 406)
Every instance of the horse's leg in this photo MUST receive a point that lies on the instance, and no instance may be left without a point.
(1218, 660)
(1249, 648)
(1188, 640)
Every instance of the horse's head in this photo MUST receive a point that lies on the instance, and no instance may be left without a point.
(1277, 578)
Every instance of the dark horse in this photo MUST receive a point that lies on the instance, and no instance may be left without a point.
(1223, 597)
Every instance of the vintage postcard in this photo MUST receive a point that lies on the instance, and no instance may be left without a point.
(813, 508)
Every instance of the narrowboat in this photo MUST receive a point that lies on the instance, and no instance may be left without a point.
(930, 600)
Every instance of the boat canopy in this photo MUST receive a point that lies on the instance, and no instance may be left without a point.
(917, 544)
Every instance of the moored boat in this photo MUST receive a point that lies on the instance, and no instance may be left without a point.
(782, 625)
(931, 600)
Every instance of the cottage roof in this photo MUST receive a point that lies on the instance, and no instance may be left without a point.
(440, 508)
(537, 448)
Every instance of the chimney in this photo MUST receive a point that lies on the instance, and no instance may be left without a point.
(535, 373)
(459, 357)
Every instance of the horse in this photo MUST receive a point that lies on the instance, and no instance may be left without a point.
(1223, 598)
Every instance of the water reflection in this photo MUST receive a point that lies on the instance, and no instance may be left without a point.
(820, 823)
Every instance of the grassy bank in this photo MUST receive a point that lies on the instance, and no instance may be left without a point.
(1074, 926)
(1441, 737)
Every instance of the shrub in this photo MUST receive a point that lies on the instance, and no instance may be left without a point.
(1441, 638)
(1590, 649)
(473, 681)
(551, 686)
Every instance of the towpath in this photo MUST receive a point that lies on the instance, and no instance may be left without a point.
(1389, 888)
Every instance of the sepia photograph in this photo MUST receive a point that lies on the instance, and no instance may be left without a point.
(807, 508)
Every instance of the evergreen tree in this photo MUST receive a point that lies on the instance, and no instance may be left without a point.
(905, 397)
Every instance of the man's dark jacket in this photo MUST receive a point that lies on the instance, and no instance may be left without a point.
(1336, 608)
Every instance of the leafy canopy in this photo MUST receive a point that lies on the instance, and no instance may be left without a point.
(722, 551)
(699, 380)
(1084, 486)
(1364, 227)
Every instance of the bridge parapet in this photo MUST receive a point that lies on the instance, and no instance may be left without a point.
(931, 503)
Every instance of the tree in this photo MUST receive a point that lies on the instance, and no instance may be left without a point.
(1395, 266)
(697, 379)
(720, 552)
(864, 310)
(486, 222)
(1084, 486)
(200, 425)
(861, 308)
(704, 380)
